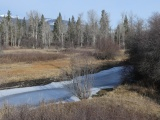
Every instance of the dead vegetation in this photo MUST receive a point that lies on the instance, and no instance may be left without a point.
(123, 103)
(120, 104)
(37, 70)
(106, 49)
(46, 69)
(149, 92)
(28, 57)
(80, 70)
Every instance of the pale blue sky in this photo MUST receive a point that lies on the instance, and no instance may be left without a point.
(51, 8)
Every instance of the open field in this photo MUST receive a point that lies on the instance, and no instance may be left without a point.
(41, 64)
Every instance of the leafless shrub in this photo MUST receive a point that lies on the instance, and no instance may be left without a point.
(80, 75)
(28, 57)
(28, 42)
(144, 50)
(106, 49)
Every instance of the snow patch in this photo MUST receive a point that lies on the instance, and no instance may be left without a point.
(57, 91)
(11, 16)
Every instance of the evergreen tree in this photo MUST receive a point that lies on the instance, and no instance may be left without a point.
(9, 27)
(87, 36)
(104, 24)
(115, 36)
(79, 32)
(73, 32)
(18, 26)
(55, 30)
(40, 28)
(125, 24)
(8, 16)
(118, 35)
(68, 37)
(58, 30)
(41, 32)
(24, 26)
(6, 28)
(126, 30)
(2, 30)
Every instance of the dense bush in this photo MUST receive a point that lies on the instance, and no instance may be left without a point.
(31, 43)
(144, 49)
(106, 49)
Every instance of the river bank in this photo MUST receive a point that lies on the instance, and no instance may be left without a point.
(45, 81)
(57, 91)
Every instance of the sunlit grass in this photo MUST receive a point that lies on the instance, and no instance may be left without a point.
(43, 68)
(120, 104)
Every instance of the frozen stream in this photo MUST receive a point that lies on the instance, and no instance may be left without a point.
(56, 91)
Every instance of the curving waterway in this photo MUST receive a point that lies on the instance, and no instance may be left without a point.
(57, 91)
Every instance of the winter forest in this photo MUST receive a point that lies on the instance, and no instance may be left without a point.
(118, 67)
(35, 32)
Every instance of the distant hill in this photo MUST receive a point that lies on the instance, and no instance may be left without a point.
(13, 18)
(50, 21)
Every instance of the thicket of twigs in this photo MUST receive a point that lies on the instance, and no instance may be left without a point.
(80, 70)
(106, 49)
(144, 49)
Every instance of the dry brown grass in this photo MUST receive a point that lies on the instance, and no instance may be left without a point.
(28, 57)
(120, 104)
(24, 71)
(19, 65)
(150, 92)
(42, 69)
(123, 103)
(134, 100)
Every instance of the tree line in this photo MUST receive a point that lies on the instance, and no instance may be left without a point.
(35, 32)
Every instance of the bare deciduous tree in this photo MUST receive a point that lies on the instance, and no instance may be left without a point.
(46, 35)
(6, 32)
(93, 24)
(34, 18)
